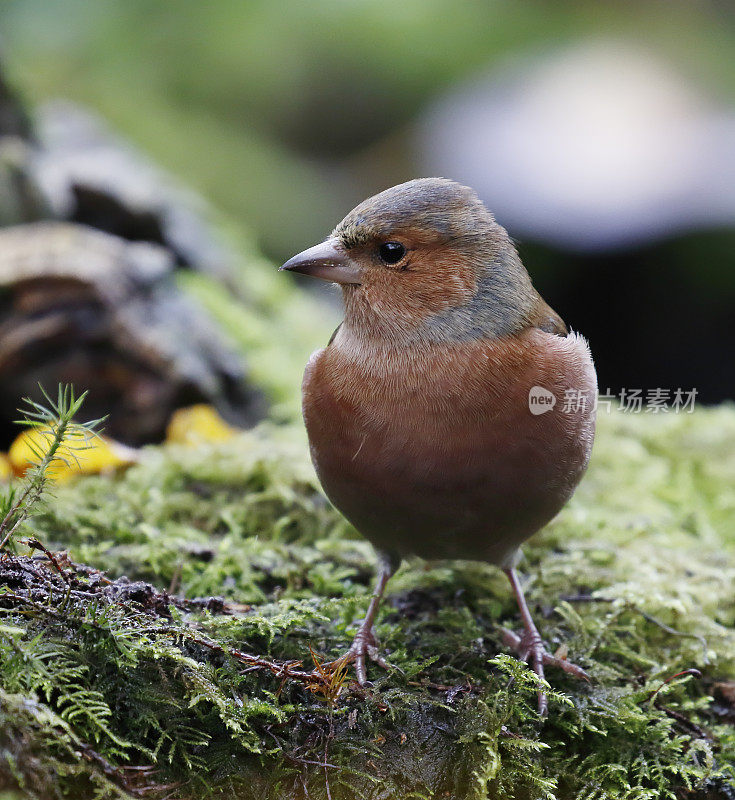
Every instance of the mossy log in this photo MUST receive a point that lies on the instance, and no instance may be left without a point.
(198, 673)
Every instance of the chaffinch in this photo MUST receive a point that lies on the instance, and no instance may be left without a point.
(436, 415)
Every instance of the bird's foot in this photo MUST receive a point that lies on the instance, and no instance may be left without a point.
(530, 648)
(364, 646)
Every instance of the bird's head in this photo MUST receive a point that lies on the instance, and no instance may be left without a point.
(425, 261)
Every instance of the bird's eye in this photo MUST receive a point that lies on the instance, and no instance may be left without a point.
(391, 252)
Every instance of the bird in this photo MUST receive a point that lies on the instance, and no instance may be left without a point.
(452, 413)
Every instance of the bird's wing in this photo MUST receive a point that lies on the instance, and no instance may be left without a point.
(336, 331)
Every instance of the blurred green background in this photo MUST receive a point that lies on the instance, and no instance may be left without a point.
(285, 114)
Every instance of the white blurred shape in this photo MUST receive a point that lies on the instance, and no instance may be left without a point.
(595, 147)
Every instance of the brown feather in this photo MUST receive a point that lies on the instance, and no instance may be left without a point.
(435, 451)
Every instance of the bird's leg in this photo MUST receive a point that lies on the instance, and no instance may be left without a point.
(365, 644)
(530, 646)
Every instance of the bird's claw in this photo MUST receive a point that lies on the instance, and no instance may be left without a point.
(530, 648)
(363, 646)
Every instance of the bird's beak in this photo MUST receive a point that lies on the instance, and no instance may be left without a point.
(326, 261)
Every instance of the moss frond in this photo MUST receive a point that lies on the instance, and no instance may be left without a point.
(194, 672)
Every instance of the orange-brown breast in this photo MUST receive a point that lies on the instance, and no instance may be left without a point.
(435, 452)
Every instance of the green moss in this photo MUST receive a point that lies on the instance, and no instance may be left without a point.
(635, 577)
